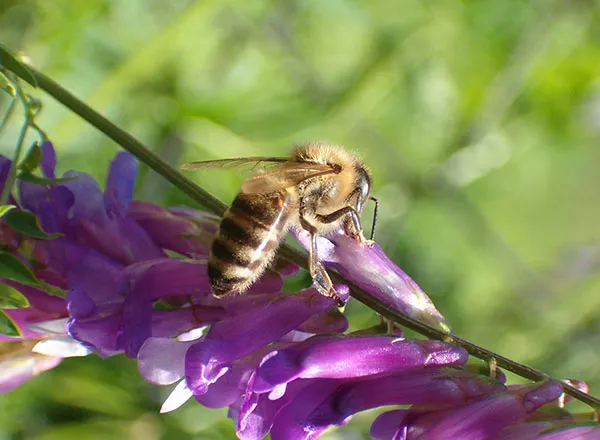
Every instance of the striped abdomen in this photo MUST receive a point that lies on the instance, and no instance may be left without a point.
(247, 240)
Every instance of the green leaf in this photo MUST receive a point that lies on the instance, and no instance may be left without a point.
(8, 326)
(33, 159)
(53, 290)
(14, 65)
(26, 176)
(27, 224)
(12, 299)
(5, 208)
(14, 269)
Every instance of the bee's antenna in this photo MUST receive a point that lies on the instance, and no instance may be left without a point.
(374, 217)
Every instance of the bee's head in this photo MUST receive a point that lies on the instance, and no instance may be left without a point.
(363, 182)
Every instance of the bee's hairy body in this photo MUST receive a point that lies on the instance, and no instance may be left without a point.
(248, 237)
(255, 224)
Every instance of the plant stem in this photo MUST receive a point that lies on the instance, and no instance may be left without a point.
(12, 172)
(8, 113)
(129, 143)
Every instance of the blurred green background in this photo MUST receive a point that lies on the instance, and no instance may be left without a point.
(479, 119)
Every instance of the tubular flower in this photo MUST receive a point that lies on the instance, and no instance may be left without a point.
(370, 268)
(282, 363)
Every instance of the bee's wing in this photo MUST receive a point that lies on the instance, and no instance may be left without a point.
(232, 163)
(284, 176)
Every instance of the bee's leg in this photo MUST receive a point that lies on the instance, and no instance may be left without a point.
(376, 201)
(318, 272)
(356, 227)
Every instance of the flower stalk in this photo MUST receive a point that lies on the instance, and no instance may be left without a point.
(129, 143)
(12, 173)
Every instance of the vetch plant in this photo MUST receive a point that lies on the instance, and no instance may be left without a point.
(94, 271)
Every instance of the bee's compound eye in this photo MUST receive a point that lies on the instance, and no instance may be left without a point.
(364, 184)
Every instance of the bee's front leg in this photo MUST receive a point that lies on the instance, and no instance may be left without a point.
(352, 225)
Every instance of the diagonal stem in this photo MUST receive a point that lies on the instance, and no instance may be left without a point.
(8, 113)
(129, 143)
(12, 172)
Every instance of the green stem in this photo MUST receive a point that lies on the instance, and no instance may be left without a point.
(129, 143)
(8, 113)
(12, 172)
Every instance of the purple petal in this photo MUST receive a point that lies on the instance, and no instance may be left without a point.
(256, 423)
(486, 418)
(100, 334)
(170, 231)
(336, 357)
(87, 196)
(241, 334)
(525, 431)
(255, 414)
(575, 433)
(206, 220)
(387, 426)
(171, 323)
(291, 422)
(105, 334)
(333, 321)
(50, 204)
(137, 244)
(368, 267)
(79, 304)
(431, 387)
(5, 164)
(149, 280)
(110, 232)
(162, 361)
(120, 181)
(48, 163)
(93, 272)
(232, 385)
(268, 283)
(536, 395)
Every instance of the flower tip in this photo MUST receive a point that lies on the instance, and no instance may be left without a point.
(343, 292)
(434, 319)
(541, 394)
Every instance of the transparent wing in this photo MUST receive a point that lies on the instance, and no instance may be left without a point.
(284, 176)
(233, 163)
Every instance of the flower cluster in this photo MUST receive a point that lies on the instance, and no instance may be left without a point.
(136, 283)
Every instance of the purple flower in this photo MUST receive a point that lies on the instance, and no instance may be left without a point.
(185, 231)
(90, 218)
(281, 362)
(478, 419)
(313, 405)
(264, 321)
(369, 267)
(340, 356)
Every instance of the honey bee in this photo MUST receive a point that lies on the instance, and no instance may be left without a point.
(319, 188)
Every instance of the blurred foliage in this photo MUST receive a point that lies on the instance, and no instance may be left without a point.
(480, 120)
